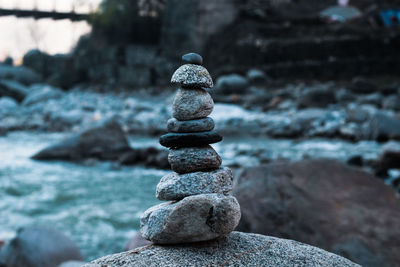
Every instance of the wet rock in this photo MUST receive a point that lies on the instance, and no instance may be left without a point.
(20, 74)
(384, 127)
(7, 104)
(390, 158)
(232, 83)
(176, 186)
(190, 139)
(318, 98)
(137, 241)
(106, 142)
(199, 125)
(257, 77)
(344, 96)
(313, 200)
(373, 99)
(392, 102)
(13, 89)
(147, 156)
(360, 85)
(41, 93)
(192, 219)
(192, 159)
(236, 249)
(190, 104)
(192, 76)
(192, 58)
(38, 246)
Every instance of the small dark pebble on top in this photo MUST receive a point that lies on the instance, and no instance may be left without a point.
(192, 58)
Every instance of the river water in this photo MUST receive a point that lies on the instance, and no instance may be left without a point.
(99, 204)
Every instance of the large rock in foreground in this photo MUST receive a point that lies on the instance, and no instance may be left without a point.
(323, 203)
(236, 249)
(105, 142)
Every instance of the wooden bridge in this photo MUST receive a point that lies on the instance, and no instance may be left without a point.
(40, 14)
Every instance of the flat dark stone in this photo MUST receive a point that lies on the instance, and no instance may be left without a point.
(189, 139)
(192, 58)
(191, 126)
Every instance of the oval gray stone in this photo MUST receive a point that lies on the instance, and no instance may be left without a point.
(193, 159)
(190, 104)
(191, 75)
(176, 186)
(195, 218)
(192, 126)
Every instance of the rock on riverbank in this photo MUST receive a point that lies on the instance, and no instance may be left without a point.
(236, 249)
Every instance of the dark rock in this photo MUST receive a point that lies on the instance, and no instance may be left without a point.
(147, 156)
(356, 160)
(8, 61)
(323, 203)
(392, 102)
(344, 96)
(193, 159)
(176, 186)
(318, 98)
(192, 219)
(13, 89)
(373, 99)
(236, 249)
(191, 104)
(192, 126)
(137, 241)
(232, 83)
(360, 85)
(192, 76)
(106, 142)
(390, 157)
(390, 89)
(384, 127)
(19, 74)
(192, 58)
(257, 77)
(190, 139)
(38, 246)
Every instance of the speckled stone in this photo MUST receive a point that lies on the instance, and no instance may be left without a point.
(176, 186)
(189, 139)
(192, 219)
(192, 58)
(236, 249)
(191, 104)
(193, 159)
(192, 126)
(191, 75)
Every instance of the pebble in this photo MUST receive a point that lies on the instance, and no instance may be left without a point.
(193, 219)
(190, 104)
(192, 58)
(193, 159)
(192, 76)
(192, 126)
(176, 186)
(189, 139)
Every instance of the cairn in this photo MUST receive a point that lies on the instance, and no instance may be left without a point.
(200, 206)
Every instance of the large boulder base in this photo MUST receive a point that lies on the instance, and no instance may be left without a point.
(323, 203)
(105, 142)
(236, 249)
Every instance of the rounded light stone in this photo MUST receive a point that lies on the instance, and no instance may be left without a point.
(192, 126)
(176, 186)
(191, 104)
(191, 75)
(193, 219)
(192, 159)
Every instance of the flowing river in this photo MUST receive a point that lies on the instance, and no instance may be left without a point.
(98, 204)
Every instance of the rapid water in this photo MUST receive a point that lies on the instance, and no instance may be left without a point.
(99, 204)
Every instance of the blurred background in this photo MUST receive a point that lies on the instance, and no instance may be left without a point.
(307, 97)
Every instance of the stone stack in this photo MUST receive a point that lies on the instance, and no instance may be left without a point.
(200, 206)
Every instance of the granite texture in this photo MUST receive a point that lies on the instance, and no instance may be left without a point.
(191, 104)
(191, 75)
(192, 126)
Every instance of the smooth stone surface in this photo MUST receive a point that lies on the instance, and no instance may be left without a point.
(195, 218)
(176, 186)
(191, 104)
(192, 159)
(38, 246)
(191, 75)
(192, 58)
(236, 249)
(189, 139)
(192, 126)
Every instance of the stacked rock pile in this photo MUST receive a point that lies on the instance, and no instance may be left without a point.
(200, 206)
